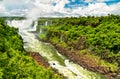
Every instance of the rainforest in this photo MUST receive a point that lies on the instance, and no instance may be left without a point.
(15, 63)
(91, 42)
(59, 39)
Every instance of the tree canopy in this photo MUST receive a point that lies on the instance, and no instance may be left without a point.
(100, 35)
(14, 62)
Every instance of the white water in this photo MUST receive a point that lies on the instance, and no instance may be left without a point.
(69, 69)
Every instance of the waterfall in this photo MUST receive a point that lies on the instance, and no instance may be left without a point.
(40, 31)
(34, 28)
(47, 51)
(46, 23)
(54, 58)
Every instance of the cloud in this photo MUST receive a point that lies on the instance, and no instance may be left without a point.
(17, 12)
(97, 0)
(2, 10)
(115, 8)
(16, 4)
(46, 8)
(97, 9)
(15, 7)
(60, 6)
(54, 8)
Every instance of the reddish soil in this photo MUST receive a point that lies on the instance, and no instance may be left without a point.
(37, 57)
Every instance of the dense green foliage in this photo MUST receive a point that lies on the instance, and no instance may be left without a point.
(98, 35)
(14, 63)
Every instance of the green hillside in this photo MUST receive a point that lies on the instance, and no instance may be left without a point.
(14, 62)
(95, 37)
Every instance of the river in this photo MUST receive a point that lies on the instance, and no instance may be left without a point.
(68, 69)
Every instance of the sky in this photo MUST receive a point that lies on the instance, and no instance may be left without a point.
(59, 8)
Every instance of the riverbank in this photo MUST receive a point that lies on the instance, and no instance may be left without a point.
(86, 62)
(42, 62)
(92, 42)
(39, 59)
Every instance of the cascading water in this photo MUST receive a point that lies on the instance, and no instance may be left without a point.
(54, 58)
(47, 51)
(46, 23)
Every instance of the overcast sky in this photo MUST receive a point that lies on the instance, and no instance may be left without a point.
(54, 8)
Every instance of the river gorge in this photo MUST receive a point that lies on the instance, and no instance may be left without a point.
(65, 67)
